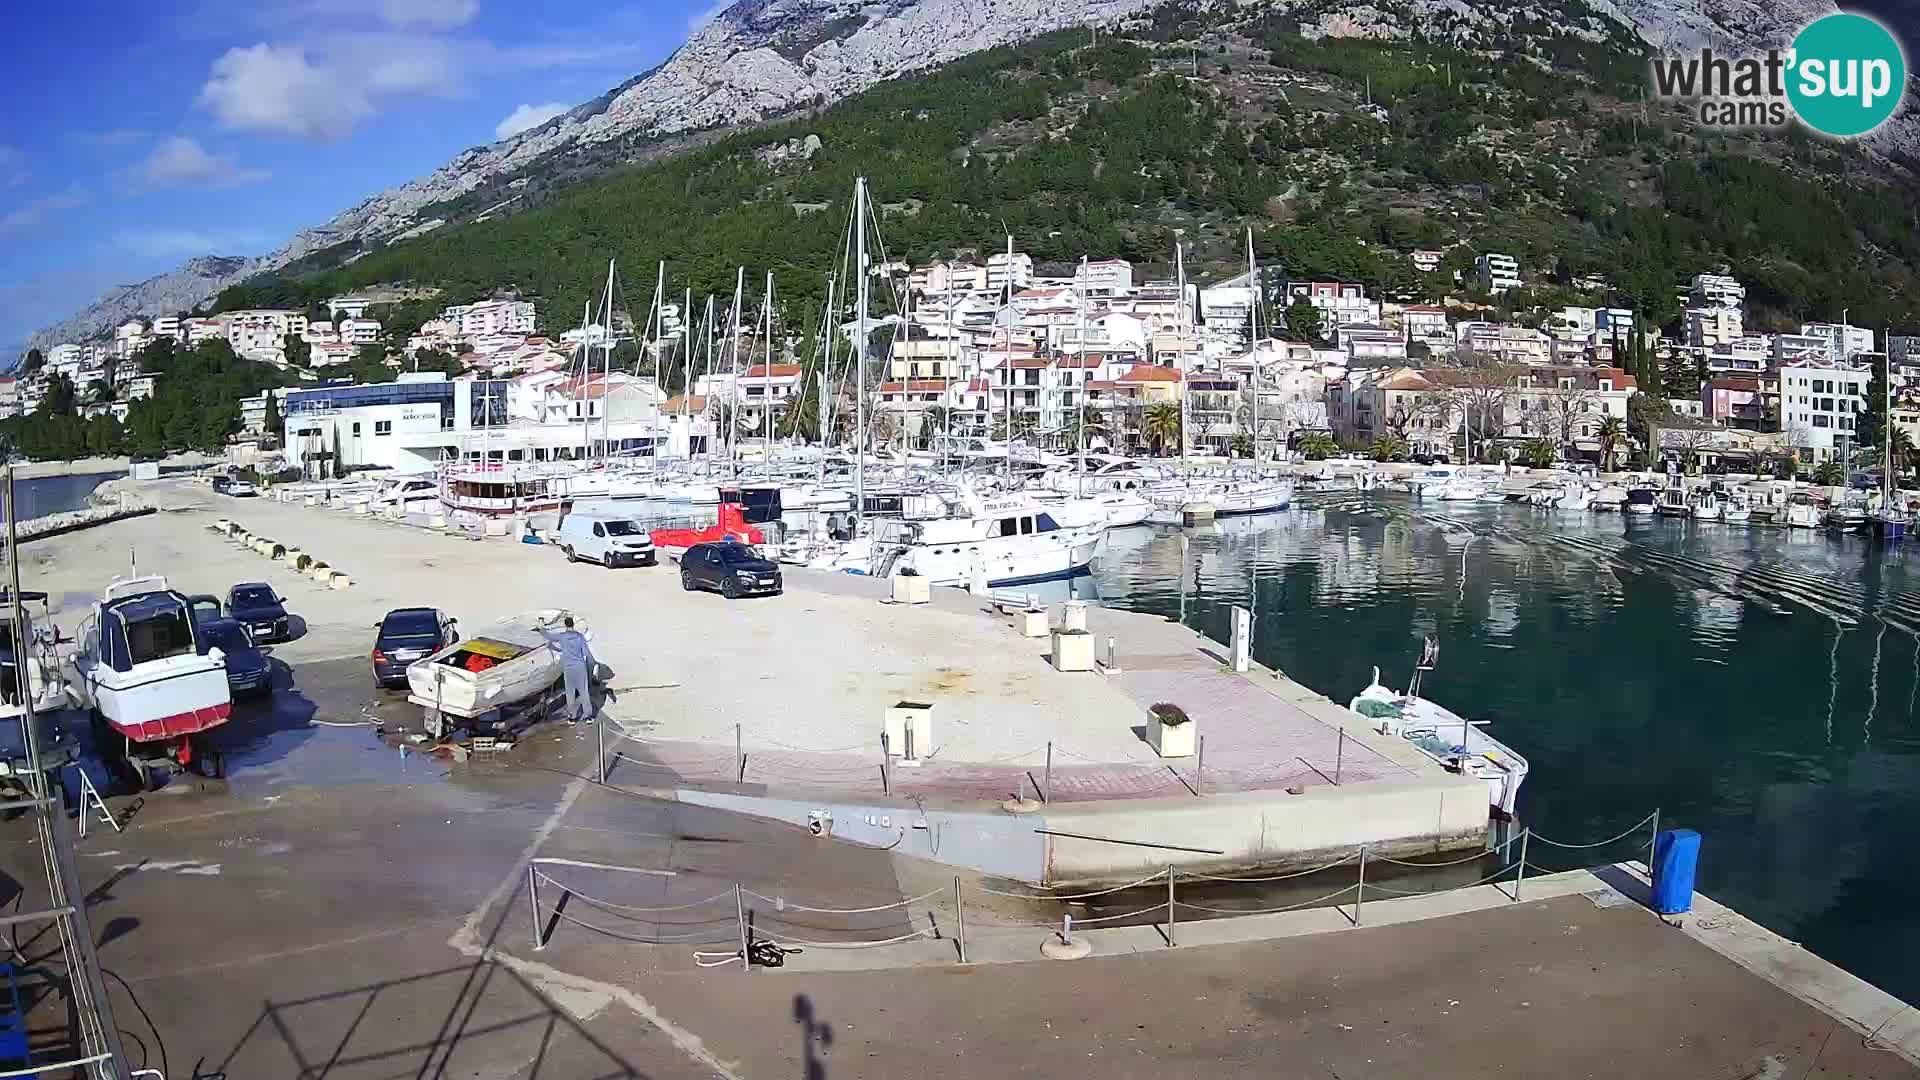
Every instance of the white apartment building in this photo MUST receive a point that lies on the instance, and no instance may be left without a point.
(359, 331)
(1427, 261)
(1819, 404)
(1796, 347)
(1425, 322)
(1843, 341)
(1498, 273)
(1003, 268)
(1714, 325)
(1106, 278)
(328, 353)
(1339, 303)
(1507, 344)
(167, 326)
(129, 338)
(139, 386)
(66, 356)
(1742, 355)
(1716, 290)
(1372, 345)
(491, 317)
(199, 330)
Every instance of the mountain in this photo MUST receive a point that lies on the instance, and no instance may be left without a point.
(175, 291)
(759, 59)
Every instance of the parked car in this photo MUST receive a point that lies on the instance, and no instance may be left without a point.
(206, 608)
(248, 672)
(733, 568)
(406, 635)
(223, 485)
(257, 607)
(609, 541)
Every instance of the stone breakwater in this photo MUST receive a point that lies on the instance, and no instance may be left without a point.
(108, 506)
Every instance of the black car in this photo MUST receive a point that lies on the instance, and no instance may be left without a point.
(406, 635)
(731, 567)
(248, 673)
(257, 607)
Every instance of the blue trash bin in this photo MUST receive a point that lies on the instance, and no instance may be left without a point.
(1676, 852)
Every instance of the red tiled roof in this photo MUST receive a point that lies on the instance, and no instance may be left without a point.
(682, 403)
(1070, 363)
(914, 386)
(780, 371)
(1102, 384)
(1407, 380)
(1141, 373)
(1027, 363)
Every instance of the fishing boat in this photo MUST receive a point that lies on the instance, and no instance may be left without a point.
(1705, 505)
(153, 684)
(1458, 744)
(492, 680)
(1673, 502)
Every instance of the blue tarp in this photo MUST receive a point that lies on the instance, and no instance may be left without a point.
(1676, 852)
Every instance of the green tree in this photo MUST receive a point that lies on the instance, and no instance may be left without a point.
(34, 361)
(1305, 322)
(1240, 445)
(1830, 474)
(1538, 454)
(1388, 448)
(273, 423)
(1612, 434)
(298, 352)
(1318, 446)
(1871, 420)
(1161, 425)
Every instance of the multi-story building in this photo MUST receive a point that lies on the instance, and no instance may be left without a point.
(1372, 345)
(489, 317)
(66, 357)
(1507, 344)
(167, 326)
(1614, 324)
(327, 353)
(1426, 322)
(1339, 303)
(130, 337)
(1843, 340)
(1103, 279)
(1820, 402)
(199, 330)
(1427, 261)
(1791, 348)
(1714, 325)
(1004, 270)
(140, 386)
(1716, 290)
(1498, 273)
(359, 331)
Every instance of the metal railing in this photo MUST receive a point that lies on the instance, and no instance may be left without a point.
(734, 916)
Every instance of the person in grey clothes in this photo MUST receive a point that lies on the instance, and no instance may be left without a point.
(576, 666)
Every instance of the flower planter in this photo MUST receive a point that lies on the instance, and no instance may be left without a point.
(1170, 740)
(1034, 624)
(1072, 650)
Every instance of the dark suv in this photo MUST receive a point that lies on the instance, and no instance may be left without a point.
(257, 607)
(731, 567)
(406, 635)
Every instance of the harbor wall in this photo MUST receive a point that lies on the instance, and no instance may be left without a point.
(1123, 839)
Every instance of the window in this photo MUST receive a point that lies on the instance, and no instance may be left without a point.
(1026, 526)
(1033, 377)
(1606, 386)
(913, 371)
(356, 429)
(383, 427)
(1008, 526)
(1822, 421)
(599, 529)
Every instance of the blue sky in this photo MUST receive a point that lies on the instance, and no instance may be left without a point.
(137, 136)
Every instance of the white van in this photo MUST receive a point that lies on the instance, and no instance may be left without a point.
(609, 541)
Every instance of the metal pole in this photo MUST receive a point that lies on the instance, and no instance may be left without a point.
(960, 916)
(1171, 919)
(1066, 929)
(1200, 765)
(1047, 796)
(533, 898)
(600, 734)
(1520, 875)
(739, 757)
(1339, 754)
(1360, 888)
(886, 782)
(740, 916)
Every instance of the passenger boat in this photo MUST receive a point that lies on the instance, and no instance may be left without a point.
(1458, 744)
(148, 677)
(486, 680)
(496, 491)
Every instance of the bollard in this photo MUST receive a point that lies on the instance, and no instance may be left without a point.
(1172, 921)
(1047, 796)
(886, 782)
(1200, 765)
(1360, 889)
(1066, 929)
(601, 736)
(739, 758)
(960, 916)
(1339, 754)
(533, 898)
(740, 913)
(1113, 656)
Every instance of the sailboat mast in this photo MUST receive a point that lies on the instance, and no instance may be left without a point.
(860, 350)
(606, 441)
(1080, 411)
(733, 369)
(1253, 340)
(766, 387)
(1180, 331)
(1007, 368)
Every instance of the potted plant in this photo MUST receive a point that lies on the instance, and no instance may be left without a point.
(1170, 730)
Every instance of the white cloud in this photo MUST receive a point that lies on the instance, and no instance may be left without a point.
(13, 166)
(527, 117)
(264, 88)
(429, 14)
(184, 243)
(31, 213)
(180, 162)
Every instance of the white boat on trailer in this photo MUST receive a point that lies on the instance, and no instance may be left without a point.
(1458, 744)
(500, 679)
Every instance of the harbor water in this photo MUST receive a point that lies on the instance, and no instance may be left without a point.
(1758, 685)
(45, 495)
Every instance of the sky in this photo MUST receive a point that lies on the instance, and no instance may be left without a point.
(139, 135)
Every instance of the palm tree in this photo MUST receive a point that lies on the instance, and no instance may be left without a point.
(1162, 424)
(1612, 433)
(1388, 448)
(1318, 446)
(933, 421)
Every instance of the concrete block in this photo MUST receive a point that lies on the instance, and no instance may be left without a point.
(1073, 616)
(1034, 624)
(1072, 650)
(320, 572)
(360, 508)
(340, 581)
(909, 728)
(494, 527)
(912, 589)
(276, 551)
(311, 500)
(292, 556)
(437, 521)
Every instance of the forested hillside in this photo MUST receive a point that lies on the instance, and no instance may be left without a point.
(1341, 154)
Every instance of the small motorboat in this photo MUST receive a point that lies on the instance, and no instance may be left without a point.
(1738, 509)
(1673, 502)
(1802, 511)
(1610, 498)
(1458, 744)
(1705, 506)
(501, 679)
(150, 677)
(1847, 516)
(1641, 502)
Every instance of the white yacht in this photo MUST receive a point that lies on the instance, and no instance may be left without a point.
(1802, 511)
(1738, 509)
(1008, 539)
(1705, 506)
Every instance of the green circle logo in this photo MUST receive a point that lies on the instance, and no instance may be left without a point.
(1846, 75)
